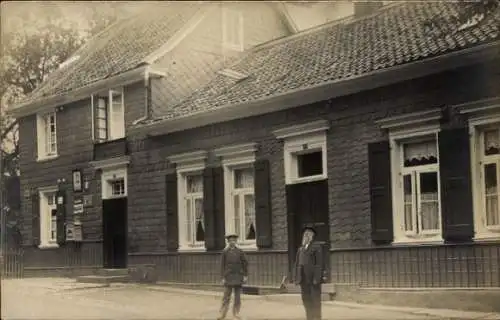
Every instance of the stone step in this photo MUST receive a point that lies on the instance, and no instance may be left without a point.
(103, 279)
(112, 272)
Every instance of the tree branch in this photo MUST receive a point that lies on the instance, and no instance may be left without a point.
(8, 129)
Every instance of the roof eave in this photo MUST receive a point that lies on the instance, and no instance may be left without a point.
(122, 79)
(325, 91)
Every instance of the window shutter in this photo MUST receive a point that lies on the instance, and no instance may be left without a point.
(456, 189)
(379, 170)
(209, 206)
(263, 209)
(172, 212)
(219, 216)
(35, 219)
(61, 217)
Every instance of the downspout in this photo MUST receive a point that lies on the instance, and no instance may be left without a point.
(147, 98)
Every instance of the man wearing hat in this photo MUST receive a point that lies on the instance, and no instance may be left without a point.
(234, 272)
(309, 273)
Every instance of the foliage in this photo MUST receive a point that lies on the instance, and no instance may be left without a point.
(36, 38)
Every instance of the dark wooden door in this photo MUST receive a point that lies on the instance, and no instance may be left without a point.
(114, 222)
(308, 206)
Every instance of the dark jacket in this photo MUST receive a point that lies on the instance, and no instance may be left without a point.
(313, 267)
(234, 266)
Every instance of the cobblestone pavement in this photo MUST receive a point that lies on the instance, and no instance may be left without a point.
(64, 299)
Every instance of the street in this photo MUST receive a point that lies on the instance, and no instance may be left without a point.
(59, 298)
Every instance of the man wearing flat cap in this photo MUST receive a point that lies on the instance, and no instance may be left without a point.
(234, 272)
(309, 273)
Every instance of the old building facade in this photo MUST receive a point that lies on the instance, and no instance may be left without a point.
(380, 131)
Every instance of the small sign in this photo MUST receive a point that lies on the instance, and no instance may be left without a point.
(77, 180)
(60, 200)
(78, 234)
(87, 200)
(70, 235)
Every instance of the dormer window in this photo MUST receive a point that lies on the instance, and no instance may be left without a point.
(109, 116)
(232, 29)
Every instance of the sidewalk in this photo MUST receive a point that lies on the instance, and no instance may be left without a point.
(295, 298)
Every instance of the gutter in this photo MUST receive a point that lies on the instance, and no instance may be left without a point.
(325, 91)
(85, 92)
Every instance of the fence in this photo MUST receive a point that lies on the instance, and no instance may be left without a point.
(12, 263)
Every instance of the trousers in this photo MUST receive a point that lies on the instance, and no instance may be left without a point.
(311, 298)
(226, 299)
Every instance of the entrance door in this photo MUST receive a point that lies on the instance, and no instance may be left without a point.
(308, 206)
(114, 222)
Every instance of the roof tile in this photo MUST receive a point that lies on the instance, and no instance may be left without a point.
(117, 49)
(398, 34)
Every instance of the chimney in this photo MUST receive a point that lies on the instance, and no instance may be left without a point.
(364, 8)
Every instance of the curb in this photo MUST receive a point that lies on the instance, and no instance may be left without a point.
(446, 313)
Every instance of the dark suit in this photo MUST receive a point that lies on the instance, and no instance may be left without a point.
(234, 267)
(308, 273)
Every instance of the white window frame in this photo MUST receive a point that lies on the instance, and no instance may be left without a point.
(187, 164)
(227, 42)
(403, 129)
(481, 115)
(108, 177)
(43, 136)
(46, 217)
(232, 158)
(301, 139)
(114, 129)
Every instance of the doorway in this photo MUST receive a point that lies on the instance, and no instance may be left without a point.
(114, 222)
(307, 205)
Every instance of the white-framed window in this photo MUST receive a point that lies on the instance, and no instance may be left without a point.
(48, 217)
(191, 215)
(239, 188)
(417, 189)
(108, 112)
(484, 128)
(415, 177)
(305, 151)
(232, 29)
(114, 182)
(47, 135)
(192, 209)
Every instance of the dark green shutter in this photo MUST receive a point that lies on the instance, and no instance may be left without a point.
(263, 209)
(456, 188)
(379, 170)
(172, 212)
(219, 208)
(209, 206)
(35, 219)
(61, 217)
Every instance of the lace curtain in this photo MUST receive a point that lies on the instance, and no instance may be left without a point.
(420, 153)
(492, 142)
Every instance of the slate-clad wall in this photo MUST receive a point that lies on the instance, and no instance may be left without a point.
(352, 128)
(75, 149)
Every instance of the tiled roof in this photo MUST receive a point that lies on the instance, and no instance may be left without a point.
(397, 35)
(119, 48)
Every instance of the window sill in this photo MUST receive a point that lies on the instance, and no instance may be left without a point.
(108, 140)
(191, 249)
(307, 179)
(418, 241)
(47, 158)
(48, 246)
(248, 246)
(487, 237)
